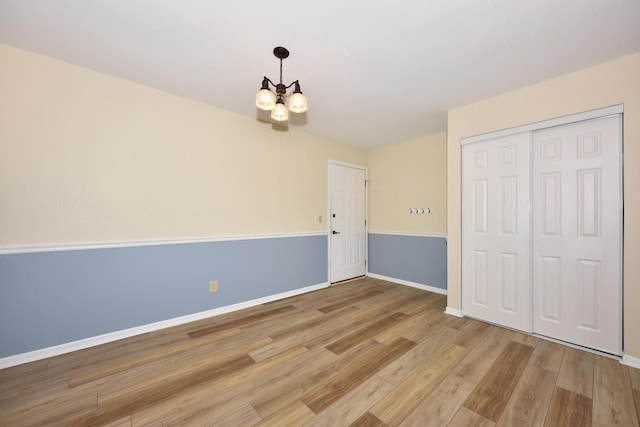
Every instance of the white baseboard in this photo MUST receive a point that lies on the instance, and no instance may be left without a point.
(57, 350)
(453, 311)
(634, 362)
(407, 283)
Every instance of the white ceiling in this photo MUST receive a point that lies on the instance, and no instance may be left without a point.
(375, 72)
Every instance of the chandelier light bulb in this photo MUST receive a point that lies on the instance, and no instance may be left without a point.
(265, 100)
(298, 103)
(280, 113)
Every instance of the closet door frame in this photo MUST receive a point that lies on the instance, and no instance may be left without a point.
(532, 127)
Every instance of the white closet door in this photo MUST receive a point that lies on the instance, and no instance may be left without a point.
(495, 231)
(577, 233)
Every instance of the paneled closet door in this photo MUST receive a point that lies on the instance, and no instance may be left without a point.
(495, 231)
(577, 251)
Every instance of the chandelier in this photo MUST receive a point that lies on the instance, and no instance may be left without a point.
(268, 101)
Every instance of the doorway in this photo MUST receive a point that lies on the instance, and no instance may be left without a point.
(347, 221)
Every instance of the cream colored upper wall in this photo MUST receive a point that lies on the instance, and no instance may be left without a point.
(86, 157)
(409, 175)
(611, 83)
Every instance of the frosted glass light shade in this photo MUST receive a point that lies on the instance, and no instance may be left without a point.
(298, 103)
(280, 113)
(265, 100)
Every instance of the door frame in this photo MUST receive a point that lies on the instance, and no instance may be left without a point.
(598, 113)
(366, 213)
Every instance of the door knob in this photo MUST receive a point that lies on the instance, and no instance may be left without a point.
(336, 232)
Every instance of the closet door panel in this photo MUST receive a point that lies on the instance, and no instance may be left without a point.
(577, 233)
(496, 229)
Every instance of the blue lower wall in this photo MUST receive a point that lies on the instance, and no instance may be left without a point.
(418, 259)
(52, 298)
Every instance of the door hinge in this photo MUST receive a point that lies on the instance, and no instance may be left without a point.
(365, 262)
(365, 222)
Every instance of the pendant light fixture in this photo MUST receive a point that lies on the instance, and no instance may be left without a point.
(268, 101)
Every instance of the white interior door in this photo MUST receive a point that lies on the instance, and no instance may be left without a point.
(495, 231)
(348, 233)
(577, 250)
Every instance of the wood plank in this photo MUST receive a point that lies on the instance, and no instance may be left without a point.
(407, 396)
(349, 408)
(274, 326)
(309, 334)
(221, 397)
(120, 364)
(368, 420)
(441, 405)
(530, 401)
(348, 301)
(459, 322)
(294, 414)
(332, 332)
(16, 391)
(471, 333)
(425, 301)
(467, 418)
(635, 386)
(139, 379)
(239, 340)
(316, 319)
(491, 395)
(328, 296)
(122, 422)
(420, 318)
(613, 403)
(576, 372)
(636, 398)
(130, 397)
(420, 333)
(384, 304)
(49, 410)
(480, 359)
(245, 415)
(127, 402)
(548, 355)
(201, 415)
(355, 373)
(526, 339)
(60, 368)
(568, 409)
(286, 390)
(242, 321)
(363, 334)
(635, 377)
(101, 352)
(20, 371)
(402, 368)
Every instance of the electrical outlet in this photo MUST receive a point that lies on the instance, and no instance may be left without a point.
(213, 286)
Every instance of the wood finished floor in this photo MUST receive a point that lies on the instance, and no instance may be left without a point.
(366, 353)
